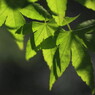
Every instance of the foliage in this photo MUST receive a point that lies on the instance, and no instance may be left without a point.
(59, 46)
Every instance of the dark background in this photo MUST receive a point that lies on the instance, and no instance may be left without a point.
(19, 77)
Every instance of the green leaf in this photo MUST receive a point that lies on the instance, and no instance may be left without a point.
(26, 29)
(86, 31)
(48, 43)
(14, 19)
(48, 55)
(67, 41)
(36, 25)
(11, 17)
(3, 12)
(61, 58)
(29, 51)
(88, 3)
(3, 16)
(68, 20)
(86, 25)
(44, 31)
(62, 35)
(18, 37)
(82, 63)
(32, 0)
(59, 8)
(35, 11)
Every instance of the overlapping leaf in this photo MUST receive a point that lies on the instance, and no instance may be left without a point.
(57, 56)
(82, 63)
(41, 35)
(35, 11)
(68, 41)
(61, 58)
(44, 31)
(86, 31)
(13, 17)
(11, 14)
(68, 20)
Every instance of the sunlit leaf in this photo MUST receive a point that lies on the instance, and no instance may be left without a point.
(14, 19)
(18, 37)
(32, 0)
(82, 63)
(44, 31)
(61, 58)
(68, 20)
(11, 17)
(29, 51)
(59, 8)
(35, 11)
(48, 55)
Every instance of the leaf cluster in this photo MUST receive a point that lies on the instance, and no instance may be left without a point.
(60, 47)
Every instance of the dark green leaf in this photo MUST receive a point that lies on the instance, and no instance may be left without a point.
(48, 43)
(86, 31)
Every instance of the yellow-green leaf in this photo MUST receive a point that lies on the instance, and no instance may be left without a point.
(48, 55)
(61, 58)
(82, 63)
(29, 51)
(59, 8)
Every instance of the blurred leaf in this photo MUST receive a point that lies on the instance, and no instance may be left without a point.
(59, 8)
(88, 3)
(35, 11)
(29, 51)
(14, 19)
(32, 0)
(18, 37)
(26, 29)
(11, 17)
(86, 31)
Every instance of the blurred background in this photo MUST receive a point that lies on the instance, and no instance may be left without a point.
(19, 77)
